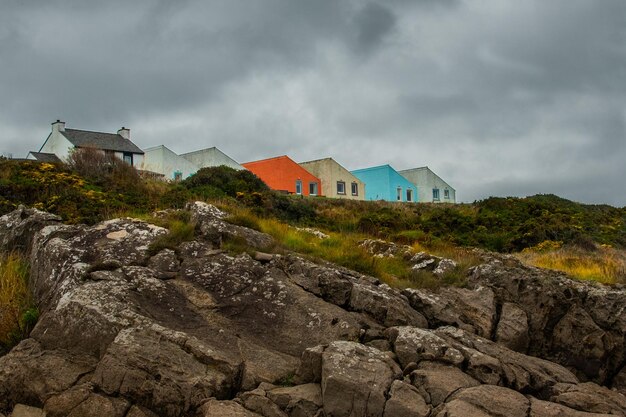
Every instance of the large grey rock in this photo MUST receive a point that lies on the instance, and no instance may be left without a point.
(589, 397)
(22, 410)
(485, 401)
(18, 227)
(298, 401)
(215, 408)
(212, 224)
(472, 310)
(415, 345)
(435, 381)
(539, 408)
(512, 328)
(405, 400)
(489, 362)
(355, 379)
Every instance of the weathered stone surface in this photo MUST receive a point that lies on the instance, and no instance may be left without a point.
(18, 227)
(355, 379)
(214, 408)
(470, 310)
(147, 366)
(512, 329)
(489, 362)
(436, 381)
(565, 321)
(485, 400)
(115, 339)
(581, 342)
(212, 223)
(404, 400)
(165, 263)
(29, 374)
(540, 408)
(589, 397)
(411, 344)
(22, 410)
(260, 404)
(298, 401)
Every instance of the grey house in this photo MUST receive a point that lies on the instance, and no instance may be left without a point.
(431, 187)
(62, 141)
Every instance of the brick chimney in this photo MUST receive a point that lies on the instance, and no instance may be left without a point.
(58, 126)
(124, 132)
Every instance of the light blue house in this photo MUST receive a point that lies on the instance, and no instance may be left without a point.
(385, 183)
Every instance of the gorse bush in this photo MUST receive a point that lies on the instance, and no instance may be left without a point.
(18, 315)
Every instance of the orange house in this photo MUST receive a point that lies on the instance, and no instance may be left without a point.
(284, 174)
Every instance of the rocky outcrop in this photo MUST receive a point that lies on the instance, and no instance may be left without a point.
(197, 331)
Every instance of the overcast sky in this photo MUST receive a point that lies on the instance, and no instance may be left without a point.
(499, 97)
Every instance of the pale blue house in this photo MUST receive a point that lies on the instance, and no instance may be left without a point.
(385, 183)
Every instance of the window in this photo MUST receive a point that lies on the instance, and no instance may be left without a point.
(435, 194)
(341, 187)
(355, 188)
(399, 194)
(312, 188)
(128, 158)
(298, 187)
(178, 175)
(409, 194)
(446, 194)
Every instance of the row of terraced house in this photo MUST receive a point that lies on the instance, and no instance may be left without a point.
(321, 177)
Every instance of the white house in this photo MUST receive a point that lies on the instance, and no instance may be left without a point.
(211, 157)
(62, 141)
(430, 187)
(162, 160)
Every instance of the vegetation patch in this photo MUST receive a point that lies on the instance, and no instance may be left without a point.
(18, 314)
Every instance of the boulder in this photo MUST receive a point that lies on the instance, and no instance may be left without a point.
(512, 328)
(22, 410)
(472, 310)
(298, 401)
(355, 379)
(539, 408)
(405, 400)
(484, 400)
(589, 397)
(215, 408)
(435, 381)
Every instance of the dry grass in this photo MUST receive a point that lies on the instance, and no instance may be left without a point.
(605, 265)
(17, 315)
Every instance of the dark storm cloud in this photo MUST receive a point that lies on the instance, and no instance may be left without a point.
(372, 23)
(497, 97)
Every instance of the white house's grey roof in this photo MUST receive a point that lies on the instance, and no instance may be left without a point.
(100, 140)
(45, 157)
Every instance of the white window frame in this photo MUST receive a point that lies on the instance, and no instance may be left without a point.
(446, 194)
(409, 195)
(342, 185)
(315, 186)
(355, 188)
(399, 193)
(299, 187)
(435, 194)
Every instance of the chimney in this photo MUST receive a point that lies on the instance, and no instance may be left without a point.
(124, 132)
(58, 126)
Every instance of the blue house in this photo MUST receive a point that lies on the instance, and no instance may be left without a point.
(384, 183)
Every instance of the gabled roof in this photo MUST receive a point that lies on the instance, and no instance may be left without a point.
(45, 157)
(100, 140)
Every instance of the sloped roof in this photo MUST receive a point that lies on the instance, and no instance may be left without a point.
(100, 140)
(45, 157)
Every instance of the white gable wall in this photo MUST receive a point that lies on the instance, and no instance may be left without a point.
(58, 145)
(426, 180)
(211, 157)
(162, 160)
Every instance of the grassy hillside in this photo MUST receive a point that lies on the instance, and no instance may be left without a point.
(538, 228)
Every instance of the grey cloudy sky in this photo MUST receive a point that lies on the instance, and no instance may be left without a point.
(499, 97)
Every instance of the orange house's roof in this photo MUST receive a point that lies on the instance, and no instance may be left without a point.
(281, 173)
